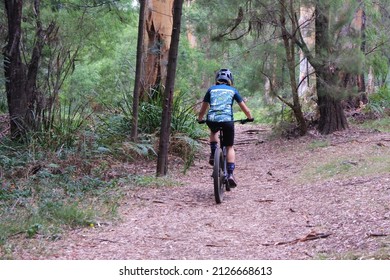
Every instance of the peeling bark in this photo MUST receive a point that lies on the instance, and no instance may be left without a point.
(157, 39)
(162, 160)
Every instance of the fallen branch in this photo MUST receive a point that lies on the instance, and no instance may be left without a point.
(108, 240)
(264, 200)
(377, 234)
(309, 237)
(248, 142)
(158, 201)
(215, 245)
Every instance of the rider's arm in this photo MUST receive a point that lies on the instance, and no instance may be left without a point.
(203, 110)
(245, 109)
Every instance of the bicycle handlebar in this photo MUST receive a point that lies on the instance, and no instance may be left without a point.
(243, 121)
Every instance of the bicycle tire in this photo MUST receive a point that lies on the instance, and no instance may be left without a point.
(218, 176)
(225, 182)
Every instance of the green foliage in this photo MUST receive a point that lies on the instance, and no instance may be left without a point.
(379, 102)
(186, 148)
(195, 70)
(3, 103)
(72, 214)
(350, 164)
(318, 144)
(183, 114)
(380, 65)
(43, 192)
(152, 181)
(103, 71)
(63, 127)
(380, 124)
(149, 117)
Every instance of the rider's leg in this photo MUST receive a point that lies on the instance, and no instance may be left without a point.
(231, 154)
(213, 137)
(231, 158)
(213, 145)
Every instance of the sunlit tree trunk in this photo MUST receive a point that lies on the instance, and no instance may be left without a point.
(190, 29)
(307, 89)
(162, 160)
(156, 41)
(370, 86)
(370, 81)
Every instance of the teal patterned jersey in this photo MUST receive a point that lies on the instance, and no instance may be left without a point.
(221, 98)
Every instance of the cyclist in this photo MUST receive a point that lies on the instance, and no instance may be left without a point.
(218, 101)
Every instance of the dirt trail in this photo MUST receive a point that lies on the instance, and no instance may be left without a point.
(274, 213)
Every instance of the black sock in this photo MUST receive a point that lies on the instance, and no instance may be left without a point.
(230, 167)
(213, 147)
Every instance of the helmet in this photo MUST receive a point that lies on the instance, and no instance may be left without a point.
(224, 75)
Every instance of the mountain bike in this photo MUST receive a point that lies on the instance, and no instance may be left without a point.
(220, 174)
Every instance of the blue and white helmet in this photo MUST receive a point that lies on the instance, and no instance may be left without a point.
(224, 75)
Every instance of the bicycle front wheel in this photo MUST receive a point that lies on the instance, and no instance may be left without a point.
(218, 176)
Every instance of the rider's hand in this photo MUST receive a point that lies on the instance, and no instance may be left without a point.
(247, 120)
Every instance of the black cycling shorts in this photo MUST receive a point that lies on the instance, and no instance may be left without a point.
(227, 130)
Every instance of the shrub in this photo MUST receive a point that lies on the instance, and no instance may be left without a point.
(379, 102)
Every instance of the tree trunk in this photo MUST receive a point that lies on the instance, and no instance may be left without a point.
(138, 72)
(15, 71)
(21, 79)
(306, 88)
(332, 117)
(370, 81)
(162, 160)
(289, 46)
(307, 81)
(359, 24)
(355, 82)
(190, 29)
(158, 26)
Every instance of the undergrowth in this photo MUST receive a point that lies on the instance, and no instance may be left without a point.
(43, 193)
(75, 172)
(353, 162)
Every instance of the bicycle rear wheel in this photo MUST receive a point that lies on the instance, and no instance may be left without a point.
(218, 176)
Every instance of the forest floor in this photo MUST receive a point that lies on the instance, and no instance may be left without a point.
(314, 197)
